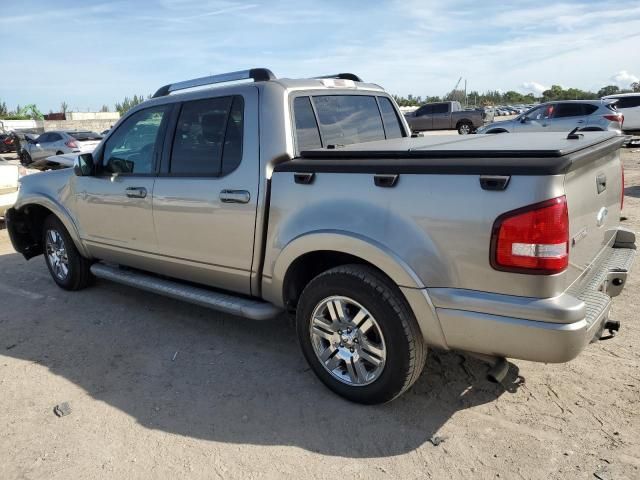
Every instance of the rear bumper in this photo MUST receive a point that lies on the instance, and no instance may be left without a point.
(550, 330)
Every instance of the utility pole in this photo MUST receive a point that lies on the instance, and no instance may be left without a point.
(466, 104)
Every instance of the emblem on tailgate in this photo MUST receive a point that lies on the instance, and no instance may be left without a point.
(579, 236)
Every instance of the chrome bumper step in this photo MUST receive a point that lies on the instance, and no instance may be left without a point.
(223, 302)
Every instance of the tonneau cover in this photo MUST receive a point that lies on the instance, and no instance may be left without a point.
(498, 154)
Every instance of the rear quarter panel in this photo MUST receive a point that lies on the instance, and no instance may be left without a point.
(438, 225)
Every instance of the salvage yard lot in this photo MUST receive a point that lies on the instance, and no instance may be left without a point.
(158, 387)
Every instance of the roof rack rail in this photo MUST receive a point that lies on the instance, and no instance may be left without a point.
(342, 76)
(257, 74)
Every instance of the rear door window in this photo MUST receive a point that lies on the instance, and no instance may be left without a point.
(390, 118)
(588, 108)
(208, 138)
(563, 110)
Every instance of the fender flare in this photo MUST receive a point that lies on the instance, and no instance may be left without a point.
(59, 211)
(350, 243)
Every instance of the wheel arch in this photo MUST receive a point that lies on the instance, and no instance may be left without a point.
(27, 219)
(332, 248)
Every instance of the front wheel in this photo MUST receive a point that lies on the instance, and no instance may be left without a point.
(25, 159)
(67, 267)
(359, 335)
(465, 128)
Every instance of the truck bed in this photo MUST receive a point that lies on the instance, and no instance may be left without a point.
(513, 154)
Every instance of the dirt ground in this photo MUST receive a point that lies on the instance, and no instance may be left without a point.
(162, 389)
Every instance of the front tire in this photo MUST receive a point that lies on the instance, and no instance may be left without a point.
(26, 159)
(67, 267)
(359, 335)
(465, 128)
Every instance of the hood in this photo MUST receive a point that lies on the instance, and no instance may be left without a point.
(502, 123)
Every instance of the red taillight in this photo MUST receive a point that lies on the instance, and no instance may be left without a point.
(533, 239)
(8, 141)
(615, 117)
(71, 144)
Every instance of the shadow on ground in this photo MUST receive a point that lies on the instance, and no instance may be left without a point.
(633, 191)
(186, 370)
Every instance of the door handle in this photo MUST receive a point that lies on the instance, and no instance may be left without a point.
(136, 192)
(235, 196)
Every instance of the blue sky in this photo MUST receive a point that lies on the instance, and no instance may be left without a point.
(91, 53)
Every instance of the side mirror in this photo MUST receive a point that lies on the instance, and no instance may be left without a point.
(524, 119)
(84, 165)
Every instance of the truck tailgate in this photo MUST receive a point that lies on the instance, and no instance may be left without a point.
(594, 194)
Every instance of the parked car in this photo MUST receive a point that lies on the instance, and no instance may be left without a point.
(310, 197)
(564, 116)
(444, 116)
(10, 175)
(7, 143)
(57, 143)
(628, 104)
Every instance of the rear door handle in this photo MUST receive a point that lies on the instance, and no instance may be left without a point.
(136, 192)
(235, 196)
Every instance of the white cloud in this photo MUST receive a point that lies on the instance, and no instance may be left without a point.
(623, 79)
(533, 87)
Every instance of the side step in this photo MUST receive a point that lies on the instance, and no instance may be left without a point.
(223, 302)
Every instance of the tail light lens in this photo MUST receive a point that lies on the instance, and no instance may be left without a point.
(8, 141)
(71, 144)
(615, 117)
(533, 239)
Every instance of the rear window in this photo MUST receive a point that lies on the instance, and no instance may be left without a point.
(343, 120)
(628, 102)
(83, 136)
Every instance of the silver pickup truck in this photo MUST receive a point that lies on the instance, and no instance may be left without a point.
(309, 196)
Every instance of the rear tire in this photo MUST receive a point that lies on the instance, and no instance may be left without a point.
(69, 269)
(359, 335)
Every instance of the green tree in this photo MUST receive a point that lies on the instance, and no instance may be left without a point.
(128, 103)
(635, 86)
(608, 90)
(105, 108)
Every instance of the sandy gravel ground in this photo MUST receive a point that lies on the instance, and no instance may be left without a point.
(161, 389)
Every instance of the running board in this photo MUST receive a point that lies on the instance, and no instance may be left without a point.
(223, 302)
